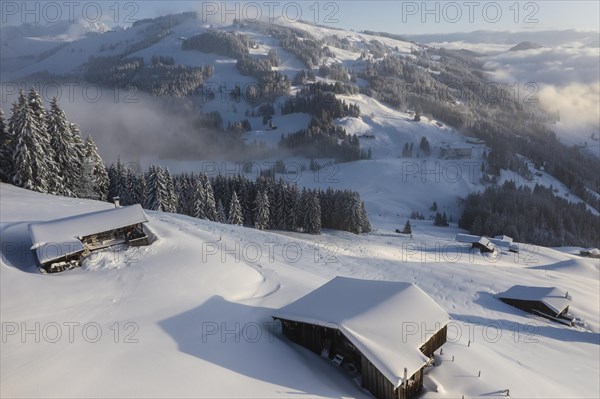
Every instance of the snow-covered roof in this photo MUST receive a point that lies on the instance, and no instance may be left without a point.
(590, 251)
(471, 239)
(552, 297)
(505, 244)
(376, 316)
(467, 238)
(504, 238)
(57, 238)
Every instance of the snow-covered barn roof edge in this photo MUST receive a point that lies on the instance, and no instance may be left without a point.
(376, 316)
(553, 297)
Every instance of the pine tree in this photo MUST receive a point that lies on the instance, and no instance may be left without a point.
(118, 186)
(199, 199)
(156, 189)
(277, 202)
(365, 222)
(312, 217)
(434, 207)
(50, 172)
(261, 218)
(407, 228)
(94, 178)
(220, 213)
(210, 209)
(441, 220)
(6, 150)
(185, 193)
(170, 196)
(235, 211)
(66, 155)
(296, 217)
(139, 189)
(34, 166)
(78, 156)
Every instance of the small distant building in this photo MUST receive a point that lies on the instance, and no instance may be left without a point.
(505, 242)
(548, 302)
(361, 325)
(61, 244)
(482, 243)
(590, 252)
(474, 140)
(448, 152)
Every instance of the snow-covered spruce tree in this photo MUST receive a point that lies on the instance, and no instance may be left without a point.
(139, 189)
(131, 182)
(312, 216)
(12, 126)
(119, 186)
(170, 204)
(407, 228)
(78, 155)
(185, 194)
(67, 155)
(235, 211)
(94, 178)
(155, 189)
(33, 158)
(50, 171)
(354, 219)
(199, 199)
(6, 150)
(261, 216)
(220, 213)
(365, 222)
(327, 207)
(292, 205)
(210, 209)
(281, 191)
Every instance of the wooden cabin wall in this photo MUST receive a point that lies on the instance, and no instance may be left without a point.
(310, 336)
(415, 384)
(375, 382)
(527, 306)
(438, 339)
(316, 337)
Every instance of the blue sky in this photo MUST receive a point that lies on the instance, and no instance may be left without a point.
(402, 17)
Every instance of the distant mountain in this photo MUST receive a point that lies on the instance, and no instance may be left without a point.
(525, 46)
(63, 30)
(28, 41)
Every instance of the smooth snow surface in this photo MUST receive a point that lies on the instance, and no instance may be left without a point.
(179, 318)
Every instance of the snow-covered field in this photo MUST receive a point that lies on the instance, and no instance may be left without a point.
(189, 315)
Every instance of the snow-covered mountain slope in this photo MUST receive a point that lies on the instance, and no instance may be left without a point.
(383, 128)
(187, 294)
(27, 43)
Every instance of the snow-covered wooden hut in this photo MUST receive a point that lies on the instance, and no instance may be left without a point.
(549, 302)
(60, 244)
(385, 331)
(449, 152)
(505, 242)
(590, 252)
(480, 242)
